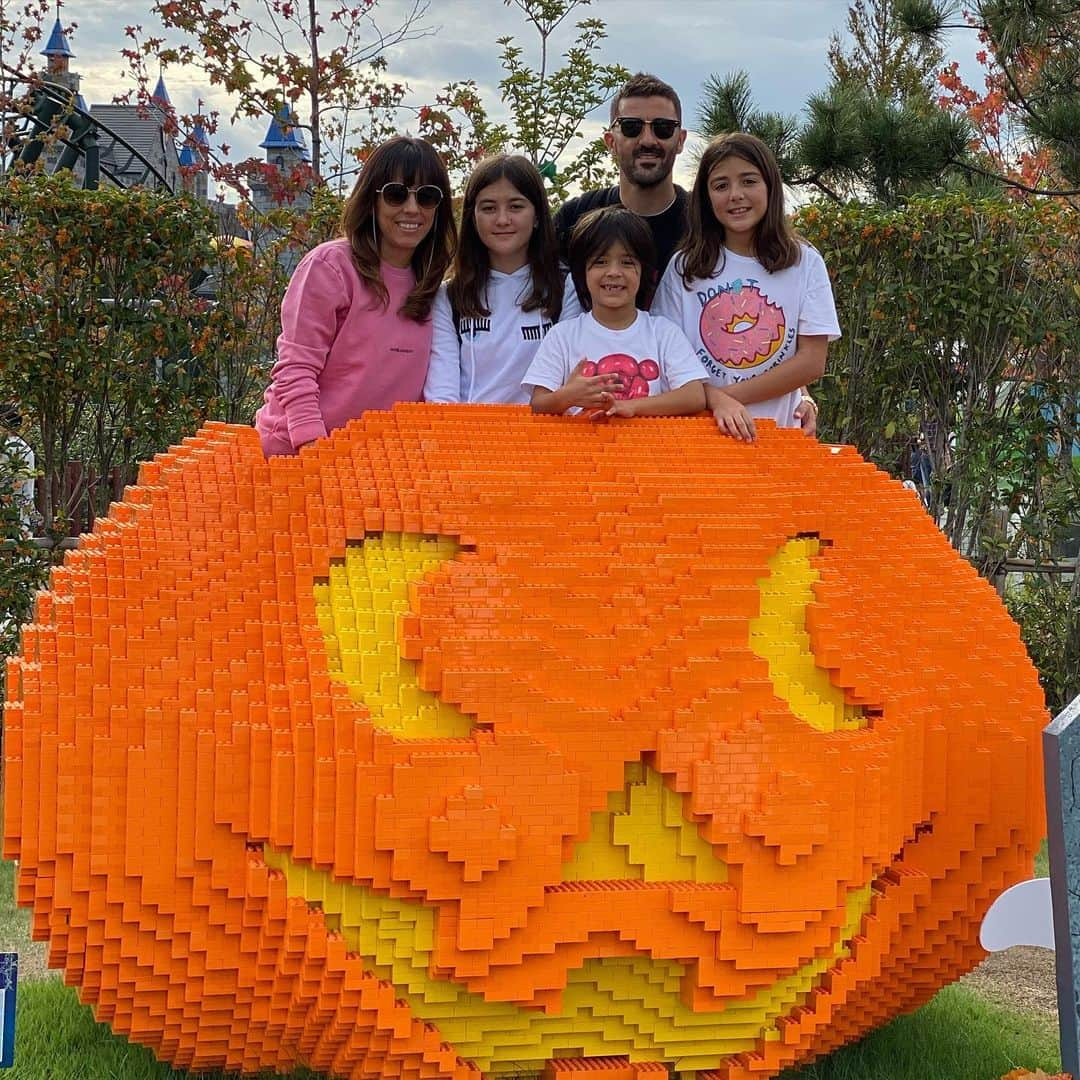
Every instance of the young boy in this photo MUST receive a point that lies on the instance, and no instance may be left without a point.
(614, 358)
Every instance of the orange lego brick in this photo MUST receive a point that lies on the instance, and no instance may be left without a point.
(471, 743)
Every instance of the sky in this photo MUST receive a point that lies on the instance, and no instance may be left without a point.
(781, 44)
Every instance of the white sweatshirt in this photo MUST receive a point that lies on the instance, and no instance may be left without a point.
(492, 354)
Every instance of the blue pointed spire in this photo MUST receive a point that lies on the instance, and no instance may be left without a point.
(160, 94)
(187, 157)
(277, 139)
(58, 43)
(198, 135)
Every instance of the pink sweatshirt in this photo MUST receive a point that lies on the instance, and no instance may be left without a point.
(340, 352)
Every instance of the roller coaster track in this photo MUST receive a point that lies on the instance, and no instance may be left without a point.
(104, 152)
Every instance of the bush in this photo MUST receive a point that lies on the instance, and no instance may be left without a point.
(960, 322)
(1048, 611)
(23, 565)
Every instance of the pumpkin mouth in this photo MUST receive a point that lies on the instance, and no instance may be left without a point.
(395, 939)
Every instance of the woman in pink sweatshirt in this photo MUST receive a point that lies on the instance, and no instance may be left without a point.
(356, 317)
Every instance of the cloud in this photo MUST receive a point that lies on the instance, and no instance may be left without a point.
(781, 44)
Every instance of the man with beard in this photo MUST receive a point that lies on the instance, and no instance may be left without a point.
(645, 135)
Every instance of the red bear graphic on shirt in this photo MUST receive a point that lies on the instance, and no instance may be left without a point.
(636, 375)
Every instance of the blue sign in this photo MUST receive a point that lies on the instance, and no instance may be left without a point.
(9, 977)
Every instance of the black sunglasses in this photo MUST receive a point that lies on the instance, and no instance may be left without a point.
(632, 126)
(428, 196)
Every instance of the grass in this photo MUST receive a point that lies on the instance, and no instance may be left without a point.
(1042, 861)
(957, 1036)
(14, 922)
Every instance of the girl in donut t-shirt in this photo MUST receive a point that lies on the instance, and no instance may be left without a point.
(754, 299)
(614, 359)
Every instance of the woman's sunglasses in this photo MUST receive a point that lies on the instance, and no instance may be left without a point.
(428, 196)
(632, 126)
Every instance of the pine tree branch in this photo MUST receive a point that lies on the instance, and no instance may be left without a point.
(816, 181)
(1053, 192)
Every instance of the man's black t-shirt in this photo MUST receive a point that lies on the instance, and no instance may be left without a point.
(667, 227)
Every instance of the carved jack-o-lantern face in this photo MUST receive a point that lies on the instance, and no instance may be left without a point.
(469, 740)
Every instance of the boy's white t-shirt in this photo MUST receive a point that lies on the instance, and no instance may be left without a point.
(744, 320)
(652, 355)
(483, 360)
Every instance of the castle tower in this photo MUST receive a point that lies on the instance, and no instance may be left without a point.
(58, 55)
(58, 74)
(188, 160)
(160, 96)
(194, 159)
(285, 150)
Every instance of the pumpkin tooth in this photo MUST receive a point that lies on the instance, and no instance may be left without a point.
(396, 941)
(644, 835)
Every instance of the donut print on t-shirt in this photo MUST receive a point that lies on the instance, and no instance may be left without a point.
(741, 328)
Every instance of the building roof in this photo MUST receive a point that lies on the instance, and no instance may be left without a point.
(283, 134)
(187, 157)
(58, 43)
(144, 132)
(160, 94)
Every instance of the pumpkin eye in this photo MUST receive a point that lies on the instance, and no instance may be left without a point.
(780, 637)
(359, 607)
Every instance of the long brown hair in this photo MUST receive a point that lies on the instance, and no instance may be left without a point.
(776, 244)
(472, 264)
(413, 162)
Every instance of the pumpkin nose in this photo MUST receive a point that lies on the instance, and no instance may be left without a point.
(644, 834)
(472, 834)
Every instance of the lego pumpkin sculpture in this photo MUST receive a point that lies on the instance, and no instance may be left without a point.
(472, 742)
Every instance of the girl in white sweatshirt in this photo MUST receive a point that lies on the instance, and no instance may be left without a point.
(507, 290)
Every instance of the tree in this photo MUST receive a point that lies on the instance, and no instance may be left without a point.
(853, 142)
(323, 58)
(1033, 49)
(456, 123)
(960, 322)
(864, 137)
(547, 107)
(237, 333)
(874, 133)
(99, 316)
(883, 58)
(351, 102)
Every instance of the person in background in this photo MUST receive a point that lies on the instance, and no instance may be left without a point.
(645, 135)
(19, 460)
(356, 317)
